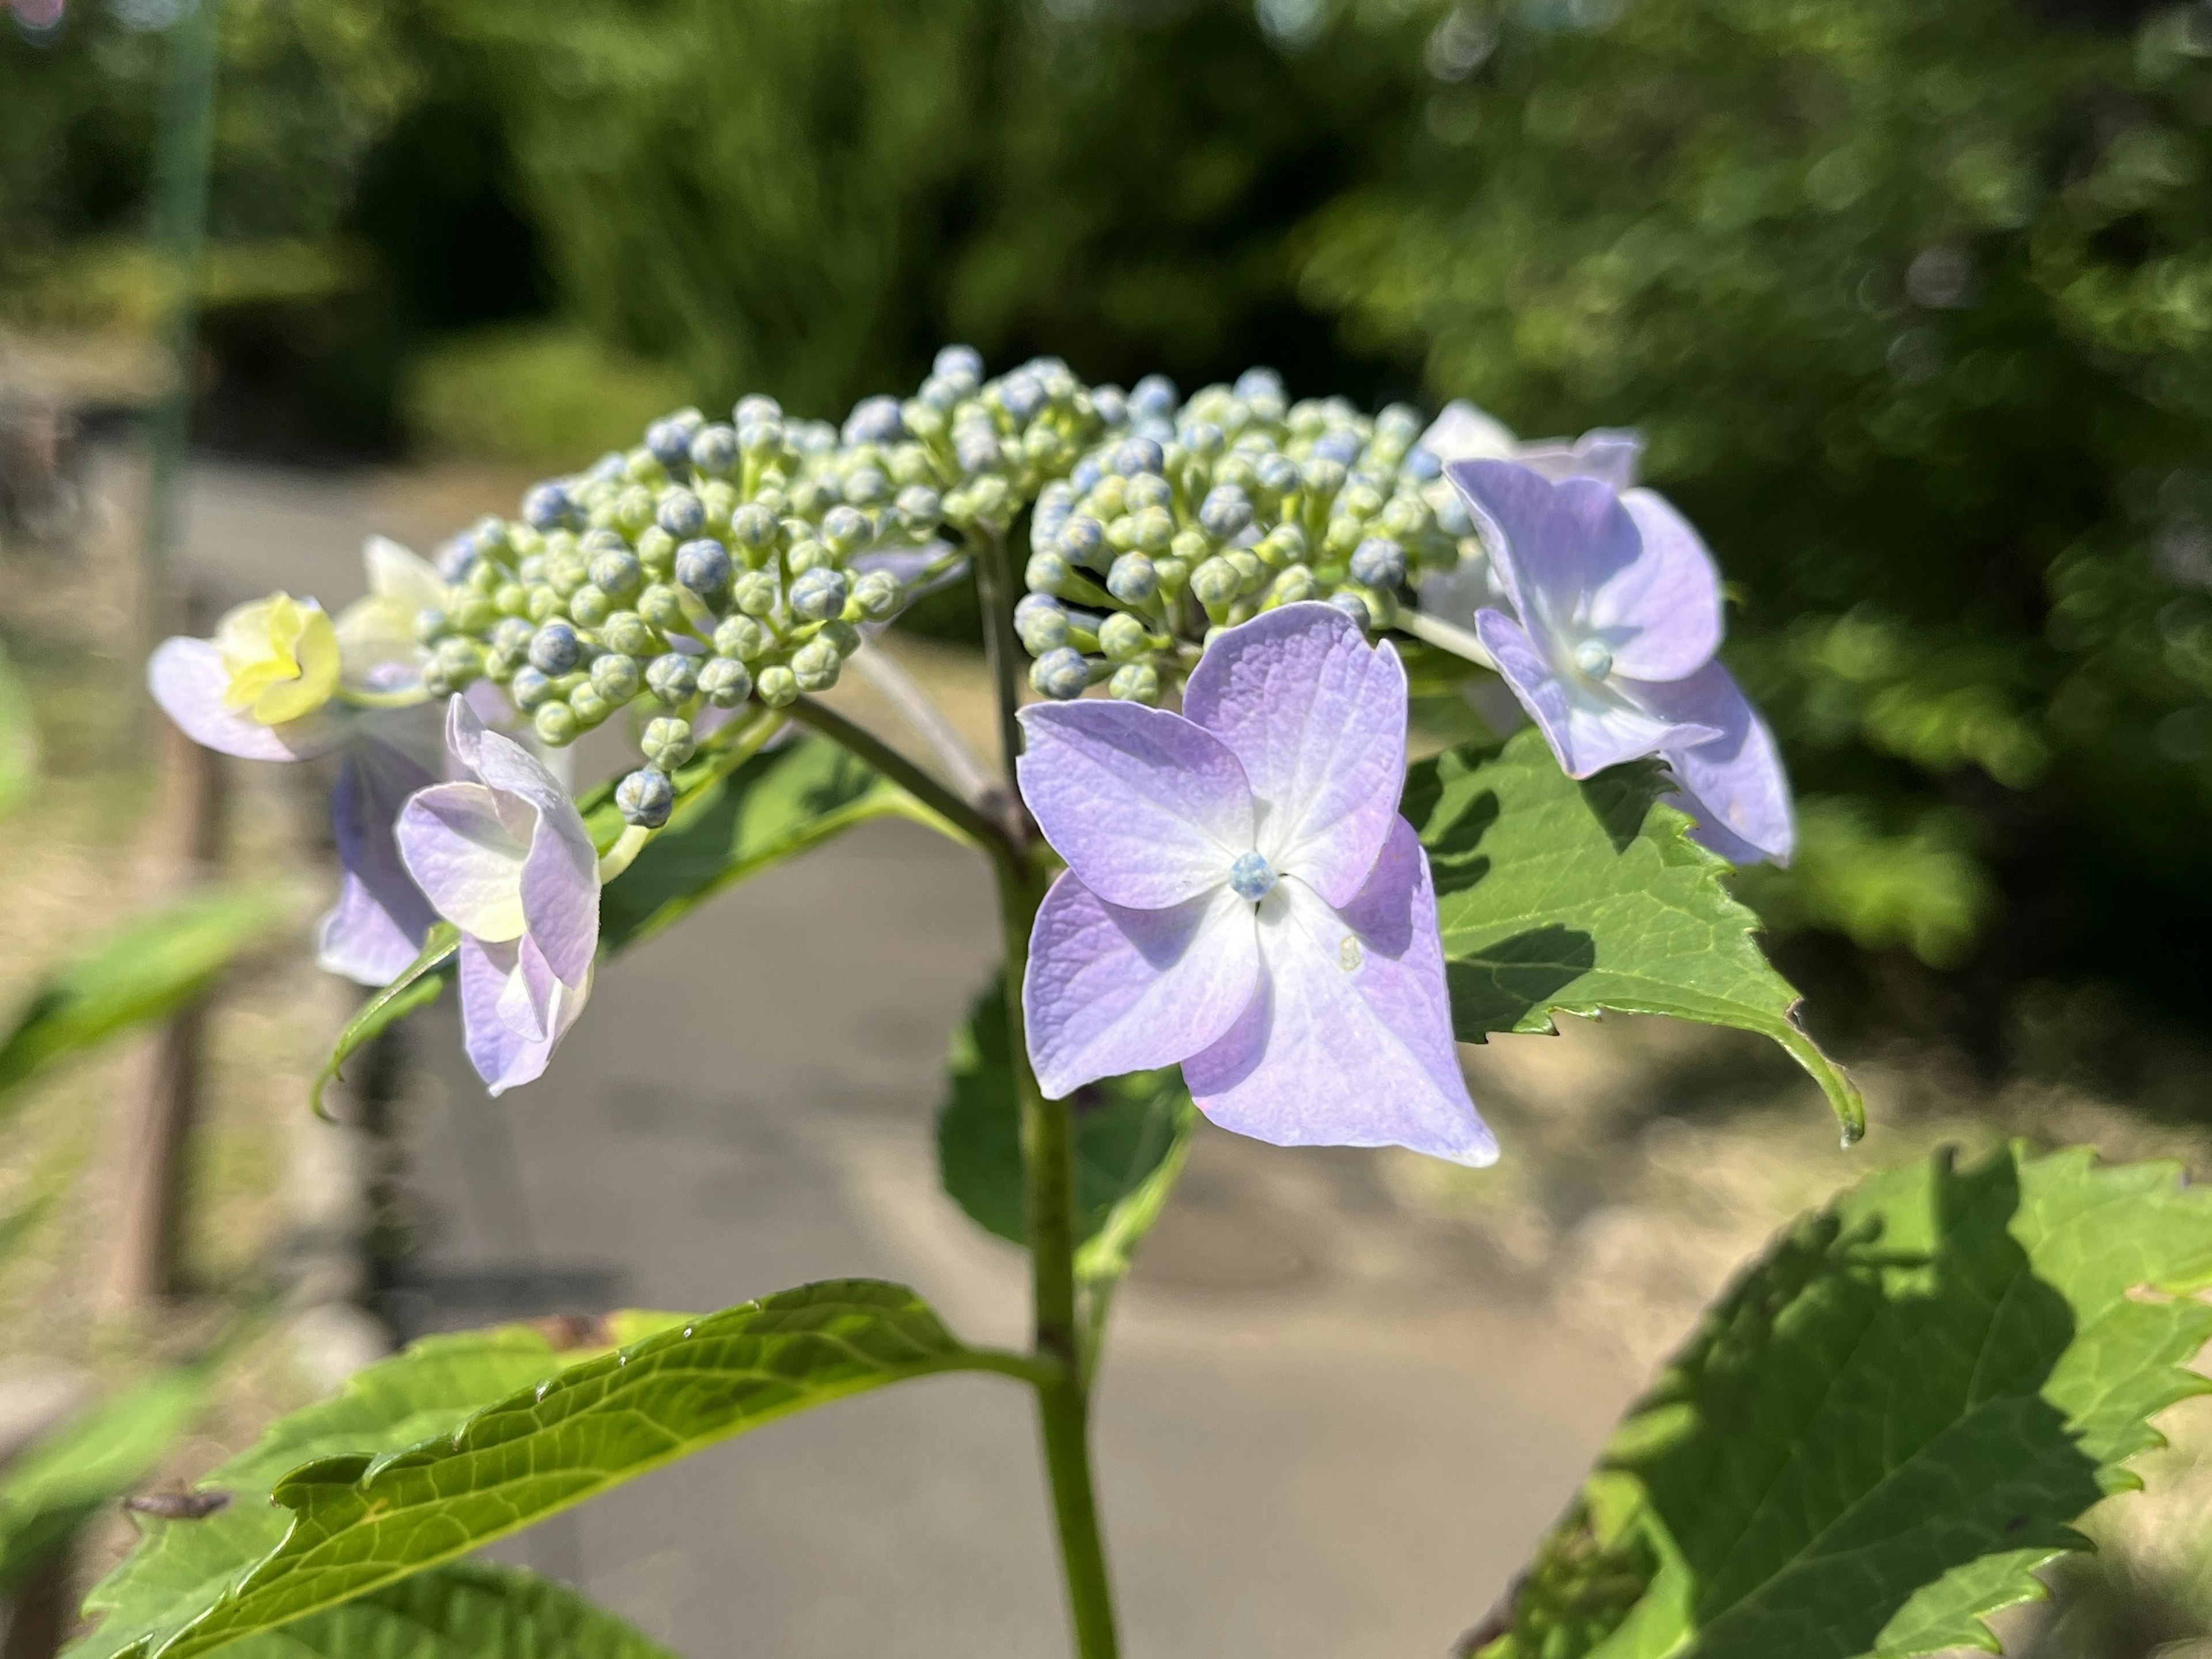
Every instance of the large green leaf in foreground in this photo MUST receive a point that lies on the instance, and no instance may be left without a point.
(1555, 895)
(1131, 1136)
(182, 1567)
(1889, 1423)
(148, 969)
(360, 1521)
(463, 1610)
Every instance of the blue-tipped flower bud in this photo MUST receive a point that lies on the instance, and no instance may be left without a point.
(1257, 386)
(1423, 465)
(1132, 580)
(1277, 473)
(1086, 475)
(511, 637)
(818, 595)
(874, 420)
(458, 556)
(1135, 455)
(866, 486)
(1122, 636)
(703, 566)
(645, 798)
(1379, 562)
(845, 528)
(669, 442)
(1155, 396)
(977, 449)
(555, 649)
(959, 362)
(755, 406)
(1041, 622)
(753, 525)
(816, 665)
(671, 677)
(1046, 572)
(920, 509)
(1204, 438)
(617, 677)
(741, 637)
(1061, 674)
(1021, 395)
(529, 687)
(1453, 518)
(725, 682)
(615, 571)
(1136, 681)
(681, 513)
(879, 595)
(1082, 539)
(1225, 512)
(556, 724)
(667, 742)
(777, 686)
(1148, 490)
(1152, 529)
(453, 667)
(1322, 475)
(626, 633)
(715, 450)
(547, 506)
(1340, 446)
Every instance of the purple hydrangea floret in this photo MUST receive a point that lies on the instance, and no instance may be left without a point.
(1242, 897)
(505, 857)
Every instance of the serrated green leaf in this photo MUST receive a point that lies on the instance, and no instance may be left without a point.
(776, 805)
(1878, 1435)
(18, 738)
(1132, 1134)
(147, 969)
(419, 984)
(54, 1488)
(463, 1610)
(1559, 897)
(359, 1521)
(181, 1568)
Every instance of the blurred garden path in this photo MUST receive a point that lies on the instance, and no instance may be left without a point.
(1324, 1428)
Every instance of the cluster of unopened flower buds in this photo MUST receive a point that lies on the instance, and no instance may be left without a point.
(718, 563)
(1185, 521)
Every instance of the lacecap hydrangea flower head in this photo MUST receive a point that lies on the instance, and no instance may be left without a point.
(1242, 897)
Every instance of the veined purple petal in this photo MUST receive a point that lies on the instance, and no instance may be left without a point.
(1110, 990)
(1318, 717)
(504, 1057)
(187, 679)
(1147, 808)
(1347, 1041)
(1665, 608)
(381, 916)
(560, 873)
(1733, 785)
(466, 854)
(1589, 727)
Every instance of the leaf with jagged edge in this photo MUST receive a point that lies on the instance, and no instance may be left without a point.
(729, 827)
(1559, 897)
(1889, 1423)
(359, 1521)
(1132, 1134)
(145, 969)
(463, 1610)
(182, 1567)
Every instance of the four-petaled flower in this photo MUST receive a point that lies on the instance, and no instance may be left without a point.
(1242, 896)
(506, 858)
(1616, 615)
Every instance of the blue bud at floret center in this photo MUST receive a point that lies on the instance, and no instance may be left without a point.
(1593, 659)
(1251, 877)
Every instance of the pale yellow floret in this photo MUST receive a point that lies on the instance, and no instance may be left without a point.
(281, 654)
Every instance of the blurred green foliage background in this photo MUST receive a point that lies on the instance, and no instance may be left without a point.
(1913, 300)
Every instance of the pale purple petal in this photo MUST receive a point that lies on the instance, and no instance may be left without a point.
(1318, 717)
(1110, 990)
(1733, 785)
(560, 886)
(1589, 727)
(1147, 808)
(1556, 544)
(465, 855)
(1347, 1041)
(187, 679)
(358, 939)
(1661, 614)
(381, 916)
(1610, 454)
(1462, 432)
(504, 1057)
(464, 730)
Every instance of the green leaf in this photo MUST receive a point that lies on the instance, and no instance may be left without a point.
(725, 828)
(1132, 1134)
(359, 1521)
(19, 739)
(182, 1567)
(463, 1610)
(420, 984)
(1559, 897)
(1880, 1433)
(151, 966)
(62, 1482)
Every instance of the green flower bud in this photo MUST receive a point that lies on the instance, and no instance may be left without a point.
(1122, 636)
(617, 677)
(615, 571)
(725, 682)
(428, 625)
(659, 605)
(544, 604)
(777, 686)
(754, 592)
(656, 553)
(645, 798)
(1251, 574)
(589, 707)
(625, 632)
(842, 636)
(816, 665)
(556, 724)
(1136, 681)
(743, 638)
(877, 596)
(1154, 530)
(671, 677)
(667, 742)
(1292, 585)
(1215, 582)
(513, 599)
(590, 606)
(475, 615)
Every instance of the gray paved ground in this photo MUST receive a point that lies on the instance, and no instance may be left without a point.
(1320, 1434)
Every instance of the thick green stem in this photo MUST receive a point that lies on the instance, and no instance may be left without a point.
(986, 831)
(1063, 1404)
